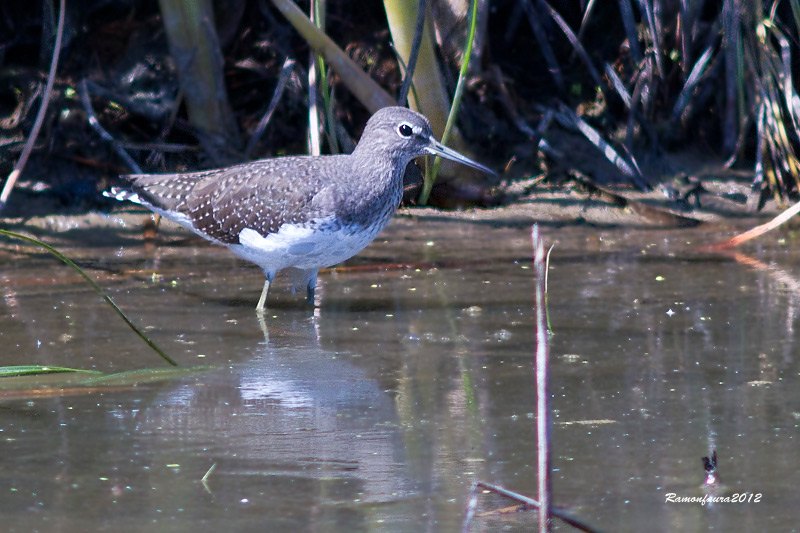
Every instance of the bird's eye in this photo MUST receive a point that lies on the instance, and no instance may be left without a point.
(405, 130)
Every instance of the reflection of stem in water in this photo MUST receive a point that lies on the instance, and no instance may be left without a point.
(791, 282)
(204, 480)
(760, 230)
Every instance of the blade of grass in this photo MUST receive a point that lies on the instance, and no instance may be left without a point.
(404, 68)
(694, 78)
(31, 370)
(429, 81)
(75, 383)
(66, 260)
(320, 15)
(314, 72)
(546, 292)
(451, 119)
(145, 375)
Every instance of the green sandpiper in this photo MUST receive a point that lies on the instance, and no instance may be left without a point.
(300, 212)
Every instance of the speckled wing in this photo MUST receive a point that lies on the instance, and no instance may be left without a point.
(168, 191)
(262, 196)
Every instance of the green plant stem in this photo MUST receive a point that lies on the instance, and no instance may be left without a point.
(320, 11)
(451, 118)
(95, 286)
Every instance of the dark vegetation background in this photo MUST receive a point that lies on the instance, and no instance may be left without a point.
(704, 84)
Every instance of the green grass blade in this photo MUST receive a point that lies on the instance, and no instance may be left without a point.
(451, 119)
(31, 370)
(146, 375)
(694, 78)
(66, 260)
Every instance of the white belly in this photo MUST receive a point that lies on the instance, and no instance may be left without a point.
(301, 247)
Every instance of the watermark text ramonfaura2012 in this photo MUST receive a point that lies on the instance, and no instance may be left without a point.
(736, 497)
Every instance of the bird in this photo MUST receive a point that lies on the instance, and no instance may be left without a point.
(297, 212)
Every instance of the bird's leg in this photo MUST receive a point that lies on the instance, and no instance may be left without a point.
(311, 285)
(310, 295)
(263, 300)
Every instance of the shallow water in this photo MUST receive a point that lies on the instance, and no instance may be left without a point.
(378, 410)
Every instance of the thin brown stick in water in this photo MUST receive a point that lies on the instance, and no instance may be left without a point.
(533, 504)
(759, 230)
(542, 388)
(518, 508)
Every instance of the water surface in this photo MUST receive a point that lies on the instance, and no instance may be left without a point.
(378, 410)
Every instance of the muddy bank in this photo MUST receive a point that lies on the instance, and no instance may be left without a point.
(718, 206)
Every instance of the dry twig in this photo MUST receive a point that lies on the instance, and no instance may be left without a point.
(37, 125)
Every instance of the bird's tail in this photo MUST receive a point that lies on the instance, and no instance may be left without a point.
(123, 195)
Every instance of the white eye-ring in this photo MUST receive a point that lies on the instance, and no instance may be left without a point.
(405, 130)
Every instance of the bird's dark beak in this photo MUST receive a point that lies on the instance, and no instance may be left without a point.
(437, 148)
